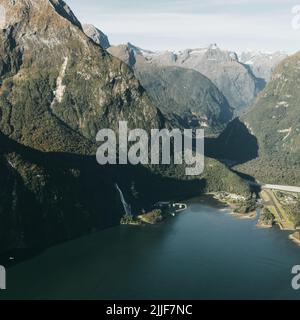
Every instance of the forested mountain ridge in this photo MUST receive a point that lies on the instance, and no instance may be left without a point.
(186, 97)
(274, 121)
(57, 89)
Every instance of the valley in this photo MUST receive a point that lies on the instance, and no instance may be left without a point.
(58, 89)
(83, 188)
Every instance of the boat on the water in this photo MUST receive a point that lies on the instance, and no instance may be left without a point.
(179, 207)
(170, 206)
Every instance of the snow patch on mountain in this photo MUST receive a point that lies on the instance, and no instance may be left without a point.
(60, 88)
(261, 63)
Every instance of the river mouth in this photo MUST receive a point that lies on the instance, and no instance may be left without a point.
(201, 253)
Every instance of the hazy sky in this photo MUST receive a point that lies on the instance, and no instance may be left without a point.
(178, 24)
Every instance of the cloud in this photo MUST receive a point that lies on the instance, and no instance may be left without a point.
(264, 32)
(177, 24)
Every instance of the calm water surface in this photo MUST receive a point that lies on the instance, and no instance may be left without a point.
(202, 253)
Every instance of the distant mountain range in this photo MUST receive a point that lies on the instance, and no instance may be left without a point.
(262, 88)
(239, 77)
(235, 80)
(262, 64)
(186, 97)
(238, 81)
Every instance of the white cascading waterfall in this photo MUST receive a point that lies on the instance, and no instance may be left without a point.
(127, 207)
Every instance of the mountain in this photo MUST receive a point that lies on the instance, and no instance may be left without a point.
(127, 53)
(41, 197)
(55, 79)
(57, 89)
(262, 64)
(186, 97)
(233, 78)
(130, 54)
(274, 122)
(97, 35)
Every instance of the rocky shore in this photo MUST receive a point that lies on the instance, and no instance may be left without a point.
(295, 237)
(242, 207)
(266, 219)
(152, 217)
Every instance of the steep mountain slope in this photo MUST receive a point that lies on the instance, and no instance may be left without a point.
(129, 54)
(57, 80)
(234, 79)
(97, 35)
(275, 122)
(274, 118)
(57, 89)
(186, 97)
(262, 64)
(47, 198)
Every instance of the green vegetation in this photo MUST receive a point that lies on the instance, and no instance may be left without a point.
(186, 97)
(240, 204)
(291, 204)
(274, 119)
(267, 214)
(129, 219)
(294, 211)
(247, 206)
(271, 171)
(53, 189)
(218, 177)
(266, 219)
(265, 142)
(152, 217)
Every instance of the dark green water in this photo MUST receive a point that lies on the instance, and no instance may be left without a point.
(202, 253)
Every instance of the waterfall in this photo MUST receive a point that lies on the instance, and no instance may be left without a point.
(126, 206)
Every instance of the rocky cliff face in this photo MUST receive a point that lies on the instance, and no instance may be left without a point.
(262, 64)
(57, 89)
(233, 78)
(186, 97)
(96, 35)
(53, 74)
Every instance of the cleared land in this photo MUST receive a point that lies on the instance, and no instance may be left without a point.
(272, 203)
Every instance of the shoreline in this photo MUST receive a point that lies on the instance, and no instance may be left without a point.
(263, 226)
(295, 239)
(248, 216)
(232, 207)
(251, 216)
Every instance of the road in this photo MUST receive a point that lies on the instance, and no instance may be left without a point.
(281, 188)
(274, 187)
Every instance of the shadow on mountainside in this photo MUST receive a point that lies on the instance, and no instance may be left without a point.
(48, 198)
(235, 144)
